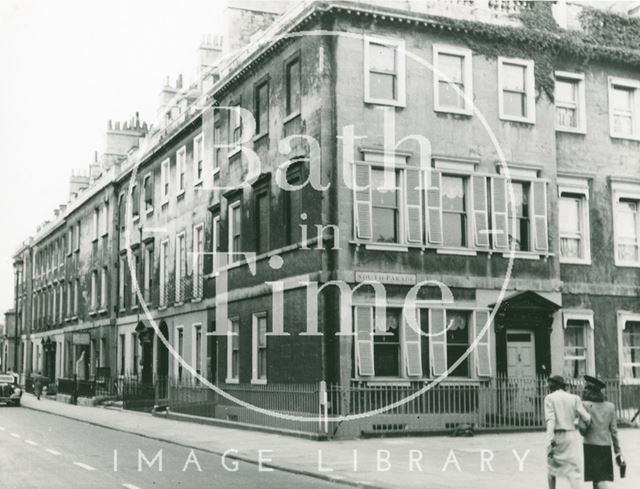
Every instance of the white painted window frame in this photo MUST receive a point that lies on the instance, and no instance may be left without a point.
(194, 349)
(624, 190)
(164, 253)
(399, 46)
(623, 317)
(143, 197)
(582, 315)
(198, 153)
(581, 105)
(230, 333)
(179, 355)
(197, 256)
(233, 207)
(165, 181)
(530, 90)
(177, 275)
(463, 170)
(254, 348)
(577, 186)
(635, 86)
(181, 169)
(467, 73)
(215, 241)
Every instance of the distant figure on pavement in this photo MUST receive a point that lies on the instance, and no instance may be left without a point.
(561, 411)
(600, 436)
(81, 368)
(37, 385)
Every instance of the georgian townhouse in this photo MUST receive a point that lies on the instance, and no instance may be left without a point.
(477, 169)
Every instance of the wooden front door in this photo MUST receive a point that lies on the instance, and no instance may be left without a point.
(521, 370)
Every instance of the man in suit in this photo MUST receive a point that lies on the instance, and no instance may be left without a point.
(561, 412)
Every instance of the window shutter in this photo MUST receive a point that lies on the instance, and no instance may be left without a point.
(483, 350)
(434, 205)
(414, 205)
(412, 350)
(437, 341)
(362, 201)
(499, 212)
(364, 340)
(541, 241)
(480, 216)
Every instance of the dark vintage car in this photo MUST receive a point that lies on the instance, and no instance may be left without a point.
(10, 391)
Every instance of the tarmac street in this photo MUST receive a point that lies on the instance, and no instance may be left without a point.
(55, 445)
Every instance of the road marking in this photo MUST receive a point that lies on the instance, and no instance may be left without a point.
(31, 442)
(52, 452)
(84, 466)
(130, 486)
(15, 435)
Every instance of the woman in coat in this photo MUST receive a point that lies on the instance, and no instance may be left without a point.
(600, 436)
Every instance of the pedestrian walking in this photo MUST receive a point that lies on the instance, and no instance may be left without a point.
(600, 436)
(37, 385)
(562, 411)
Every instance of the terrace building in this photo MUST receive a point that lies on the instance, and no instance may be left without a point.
(489, 149)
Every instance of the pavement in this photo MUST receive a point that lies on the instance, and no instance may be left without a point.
(493, 461)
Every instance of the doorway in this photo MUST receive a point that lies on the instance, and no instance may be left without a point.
(521, 371)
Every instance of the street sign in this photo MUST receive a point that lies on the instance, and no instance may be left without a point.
(81, 338)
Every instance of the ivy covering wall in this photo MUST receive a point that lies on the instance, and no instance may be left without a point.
(605, 36)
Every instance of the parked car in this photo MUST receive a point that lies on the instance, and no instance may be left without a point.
(10, 391)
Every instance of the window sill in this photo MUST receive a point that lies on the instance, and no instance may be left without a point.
(382, 101)
(102, 311)
(630, 381)
(231, 381)
(292, 116)
(456, 251)
(521, 120)
(164, 203)
(216, 171)
(149, 211)
(234, 152)
(451, 110)
(624, 264)
(93, 313)
(258, 137)
(136, 218)
(196, 300)
(198, 183)
(522, 255)
(162, 308)
(180, 195)
(259, 381)
(178, 303)
(575, 261)
(386, 247)
(572, 130)
(625, 137)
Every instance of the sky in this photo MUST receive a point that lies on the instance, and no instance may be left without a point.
(66, 68)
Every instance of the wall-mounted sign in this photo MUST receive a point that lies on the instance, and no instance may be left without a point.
(81, 338)
(387, 278)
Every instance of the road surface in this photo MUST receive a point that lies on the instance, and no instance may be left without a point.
(41, 450)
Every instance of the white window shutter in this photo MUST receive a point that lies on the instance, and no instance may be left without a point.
(434, 206)
(412, 350)
(483, 350)
(541, 240)
(364, 340)
(480, 214)
(414, 204)
(499, 212)
(438, 341)
(362, 201)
